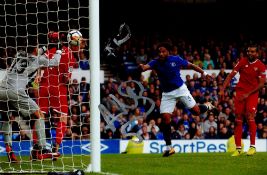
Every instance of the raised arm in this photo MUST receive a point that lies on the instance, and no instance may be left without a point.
(198, 69)
(45, 62)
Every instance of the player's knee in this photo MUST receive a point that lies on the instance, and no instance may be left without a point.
(238, 120)
(250, 116)
(166, 118)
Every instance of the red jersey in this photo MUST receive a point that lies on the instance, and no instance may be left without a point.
(61, 74)
(249, 74)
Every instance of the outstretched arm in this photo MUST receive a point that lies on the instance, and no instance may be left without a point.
(119, 42)
(144, 67)
(45, 62)
(226, 83)
(198, 69)
(228, 79)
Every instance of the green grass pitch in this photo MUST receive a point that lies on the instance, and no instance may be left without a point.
(153, 164)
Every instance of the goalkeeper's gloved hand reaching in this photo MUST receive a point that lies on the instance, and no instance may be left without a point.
(42, 50)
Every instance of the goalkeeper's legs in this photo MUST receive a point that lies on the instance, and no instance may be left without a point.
(39, 150)
(39, 125)
(7, 129)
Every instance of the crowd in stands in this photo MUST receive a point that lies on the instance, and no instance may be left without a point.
(215, 124)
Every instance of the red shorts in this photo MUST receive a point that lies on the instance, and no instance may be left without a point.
(54, 97)
(249, 105)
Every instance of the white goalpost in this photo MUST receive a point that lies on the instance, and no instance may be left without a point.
(94, 46)
(80, 147)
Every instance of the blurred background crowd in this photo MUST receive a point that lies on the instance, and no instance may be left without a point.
(216, 124)
(195, 36)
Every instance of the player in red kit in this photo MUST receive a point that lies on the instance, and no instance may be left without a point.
(252, 79)
(53, 90)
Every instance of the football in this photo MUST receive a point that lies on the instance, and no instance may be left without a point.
(74, 37)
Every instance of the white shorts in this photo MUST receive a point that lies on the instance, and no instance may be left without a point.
(168, 100)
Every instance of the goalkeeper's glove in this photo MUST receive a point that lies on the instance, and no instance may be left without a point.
(42, 50)
(57, 55)
(59, 52)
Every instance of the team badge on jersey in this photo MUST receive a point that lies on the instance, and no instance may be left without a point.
(173, 64)
(255, 68)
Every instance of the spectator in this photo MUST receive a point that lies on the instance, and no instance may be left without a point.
(197, 61)
(224, 133)
(198, 135)
(74, 91)
(75, 124)
(83, 62)
(152, 124)
(260, 131)
(84, 89)
(192, 130)
(211, 134)
(145, 134)
(85, 135)
(141, 58)
(207, 61)
(187, 136)
(209, 123)
(181, 131)
(174, 133)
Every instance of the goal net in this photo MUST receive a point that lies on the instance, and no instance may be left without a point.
(20, 19)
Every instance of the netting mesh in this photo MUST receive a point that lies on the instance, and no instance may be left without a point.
(26, 24)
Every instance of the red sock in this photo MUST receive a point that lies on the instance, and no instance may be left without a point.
(252, 131)
(61, 129)
(8, 148)
(238, 132)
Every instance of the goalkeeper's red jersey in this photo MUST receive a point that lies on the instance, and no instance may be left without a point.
(60, 75)
(249, 74)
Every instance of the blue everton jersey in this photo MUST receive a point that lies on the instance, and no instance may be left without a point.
(169, 72)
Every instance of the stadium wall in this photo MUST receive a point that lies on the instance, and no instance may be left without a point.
(78, 74)
(114, 146)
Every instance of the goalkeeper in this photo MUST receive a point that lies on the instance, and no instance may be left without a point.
(13, 96)
(54, 83)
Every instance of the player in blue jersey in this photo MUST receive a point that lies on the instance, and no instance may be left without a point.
(173, 88)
